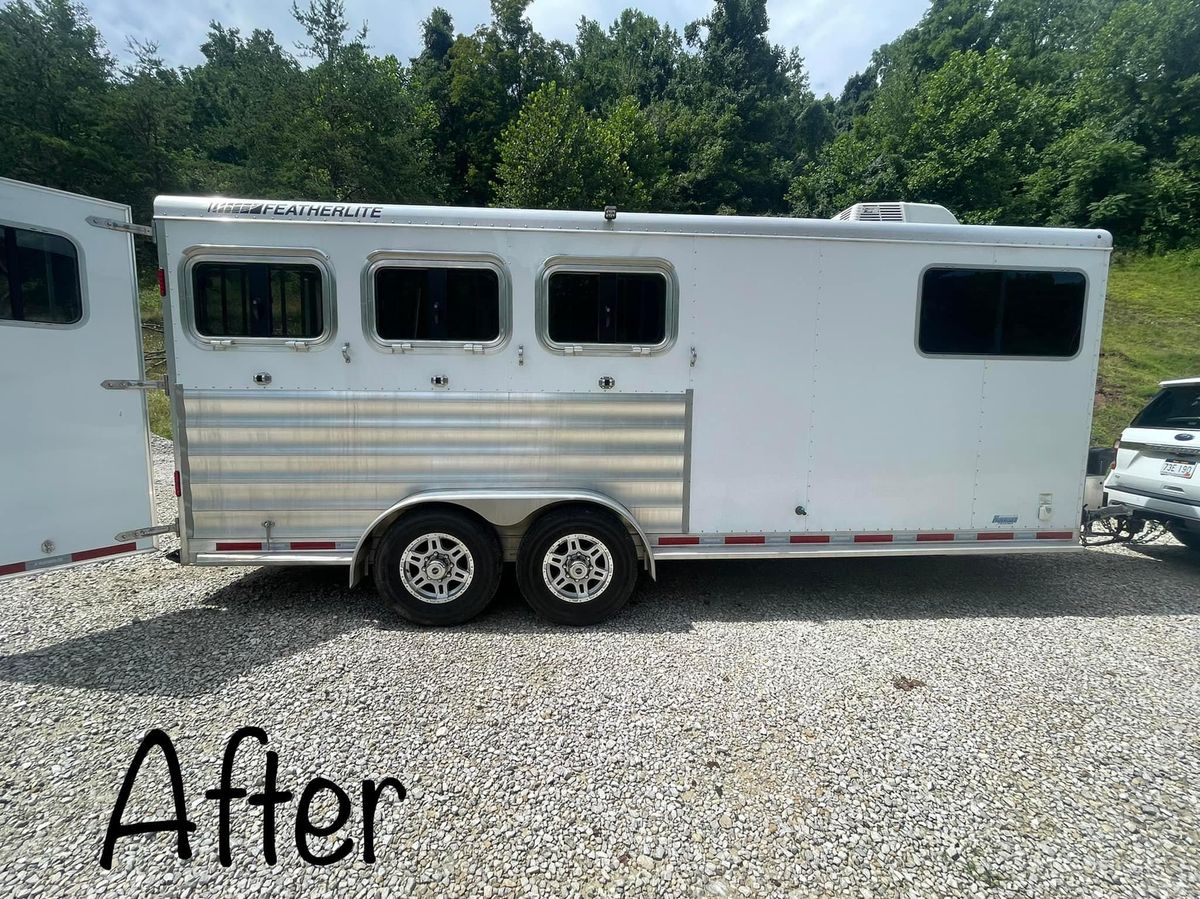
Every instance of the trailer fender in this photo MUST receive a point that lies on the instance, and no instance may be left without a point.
(500, 508)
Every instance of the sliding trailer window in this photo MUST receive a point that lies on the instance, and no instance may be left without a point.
(39, 278)
(1012, 313)
(437, 302)
(603, 306)
(259, 299)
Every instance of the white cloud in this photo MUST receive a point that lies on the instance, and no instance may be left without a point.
(835, 37)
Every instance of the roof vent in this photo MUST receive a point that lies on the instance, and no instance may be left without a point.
(924, 213)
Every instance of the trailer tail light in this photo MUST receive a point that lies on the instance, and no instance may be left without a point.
(1112, 466)
(162, 283)
(178, 487)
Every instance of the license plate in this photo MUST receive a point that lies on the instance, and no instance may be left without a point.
(1179, 469)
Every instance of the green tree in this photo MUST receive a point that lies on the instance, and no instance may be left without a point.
(54, 85)
(243, 97)
(431, 88)
(359, 134)
(147, 124)
(491, 73)
(635, 58)
(1087, 178)
(555, 156)
(975, 132)
(731, 124)
(1173, 205)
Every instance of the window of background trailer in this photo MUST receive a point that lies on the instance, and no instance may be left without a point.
(607, 308)
(435, 303)
(39, 278)
(997, 312)
(258, 299)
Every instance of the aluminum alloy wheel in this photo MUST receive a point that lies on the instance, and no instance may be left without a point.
(437, 568)
(577, 568)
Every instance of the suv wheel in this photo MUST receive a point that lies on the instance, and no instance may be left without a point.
(1190, 539)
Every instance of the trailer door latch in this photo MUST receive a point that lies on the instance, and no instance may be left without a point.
(139, 533)
(132, 384)
(128, 227)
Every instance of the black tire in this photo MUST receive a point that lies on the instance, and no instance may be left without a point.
(608, 594)
(1190, 539)
(412, 592)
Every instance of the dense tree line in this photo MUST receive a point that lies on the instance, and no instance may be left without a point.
(1063, 112)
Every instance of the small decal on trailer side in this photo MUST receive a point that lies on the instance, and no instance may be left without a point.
(1004, 519)
(297, 210)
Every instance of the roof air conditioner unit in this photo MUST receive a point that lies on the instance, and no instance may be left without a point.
(924, 213)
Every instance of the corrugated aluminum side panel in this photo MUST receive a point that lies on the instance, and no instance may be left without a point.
(326, 463)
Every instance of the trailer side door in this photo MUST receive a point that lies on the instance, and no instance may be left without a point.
(74, 457)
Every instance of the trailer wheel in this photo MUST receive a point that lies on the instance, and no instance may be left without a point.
(438, 567)
(1190, 539)
(577, 566)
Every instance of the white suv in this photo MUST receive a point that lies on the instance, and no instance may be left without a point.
(1157, 460)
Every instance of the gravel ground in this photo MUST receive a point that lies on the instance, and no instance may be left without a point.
(1021, 726)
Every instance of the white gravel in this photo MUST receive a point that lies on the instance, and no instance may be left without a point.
(737, 731)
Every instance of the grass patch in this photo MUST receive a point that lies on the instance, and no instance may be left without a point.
(1151, 334)
(154, 351)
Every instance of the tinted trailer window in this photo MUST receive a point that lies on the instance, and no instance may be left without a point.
(998, 312)
(257, 299)
(607, 308)
(451, 304)
(39, 278)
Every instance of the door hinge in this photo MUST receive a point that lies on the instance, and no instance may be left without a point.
(127, 384)
(128, 227)
(473, 347)
(300, 346)
(139, 533)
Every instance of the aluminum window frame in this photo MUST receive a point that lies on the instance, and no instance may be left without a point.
(383, 259)
(81, 281)
(992, 266)
(631, 265)
(193, 256)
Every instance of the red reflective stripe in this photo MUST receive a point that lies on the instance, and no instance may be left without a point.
(178, 485)
(678, 541)
(84, 555)
(995, 535)
(162, 283)
(13, 568)
(744, 541)
(809, 538)
(872, 538)
(314, 544)
(234, 547)
(1056, 535)
(929, 538)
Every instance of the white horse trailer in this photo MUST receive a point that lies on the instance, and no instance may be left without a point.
(426, 393)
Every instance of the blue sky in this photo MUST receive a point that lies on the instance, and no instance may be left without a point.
(836, 37)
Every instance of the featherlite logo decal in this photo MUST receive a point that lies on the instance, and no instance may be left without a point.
(298, 210)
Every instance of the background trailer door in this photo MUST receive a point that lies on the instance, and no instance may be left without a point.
(74, 457)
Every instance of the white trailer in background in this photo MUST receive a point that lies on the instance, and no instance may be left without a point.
(425, 393)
